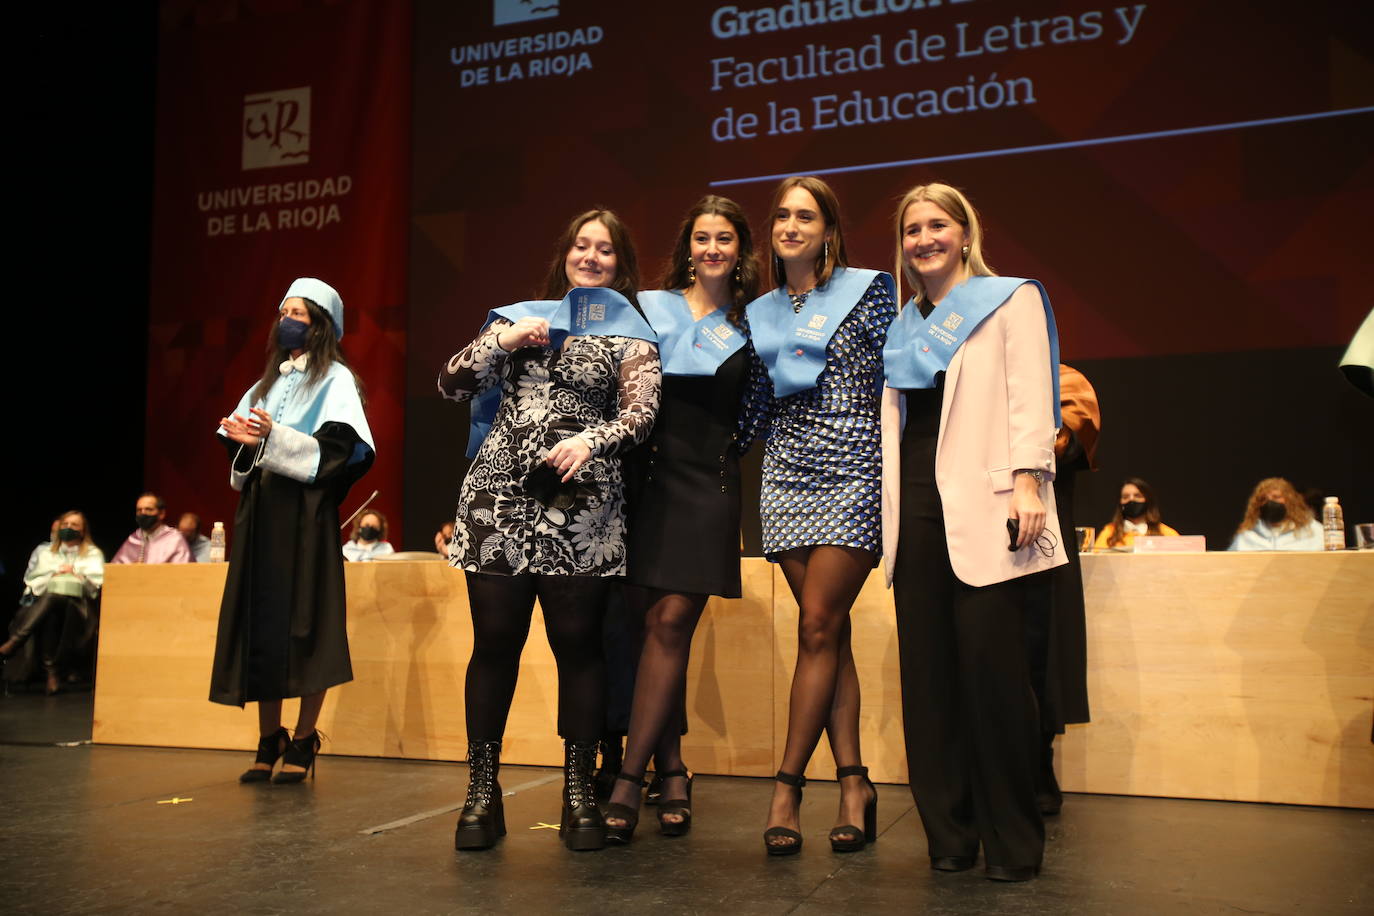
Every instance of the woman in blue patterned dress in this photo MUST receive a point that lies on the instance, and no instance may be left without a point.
(814, 396)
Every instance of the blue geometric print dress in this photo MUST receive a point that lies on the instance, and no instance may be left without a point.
(822, 470)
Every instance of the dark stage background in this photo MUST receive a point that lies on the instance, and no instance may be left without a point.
(1205, 281)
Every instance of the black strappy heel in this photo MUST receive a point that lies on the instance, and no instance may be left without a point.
(630, 816)
(869, 834)
(682, 807)
(270, 750)
(301, 752)
(794, 847)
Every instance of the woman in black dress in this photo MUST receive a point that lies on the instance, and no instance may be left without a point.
(541, 513)
(685, 493)
(298, 441)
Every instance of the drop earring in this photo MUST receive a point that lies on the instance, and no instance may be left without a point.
(691, 271)
(965, 252)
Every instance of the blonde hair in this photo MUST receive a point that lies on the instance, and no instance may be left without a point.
(1299, 512)
(86, 542)
(961, 210)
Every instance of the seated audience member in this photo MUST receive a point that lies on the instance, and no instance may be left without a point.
(27, 597)
(443, 540)
(368, 541)
(1277, 518)
(60, 623)
(199, 544)
(1136, 514)
(152, 541)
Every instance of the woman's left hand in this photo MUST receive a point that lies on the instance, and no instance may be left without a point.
(569, 455)
(1028, 509)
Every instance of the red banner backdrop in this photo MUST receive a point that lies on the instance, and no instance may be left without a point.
(283, 144)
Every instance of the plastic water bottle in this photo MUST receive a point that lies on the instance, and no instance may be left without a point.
(1333, 524)
(217, 543)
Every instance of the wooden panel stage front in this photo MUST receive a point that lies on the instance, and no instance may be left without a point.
(1227, 676)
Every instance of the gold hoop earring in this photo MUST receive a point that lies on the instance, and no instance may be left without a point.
(691, 271)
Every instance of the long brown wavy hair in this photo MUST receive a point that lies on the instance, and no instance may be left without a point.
(743, 290)
(1299, 512)
(833, 255)
(320, 343)
(626, 281)
(1151, 516)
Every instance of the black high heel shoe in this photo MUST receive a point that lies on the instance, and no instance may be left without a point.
(630, 816)
(682, 807)
(270, 750)
(654, 794)
(859, 838)
(483, 820)
(301, 752)
(794, 847)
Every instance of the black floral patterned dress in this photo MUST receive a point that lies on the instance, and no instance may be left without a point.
(514, 515)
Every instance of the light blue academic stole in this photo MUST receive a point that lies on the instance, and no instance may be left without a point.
(919, 348)
(792, 344)
(305, 408)
(688, 347)
(583, 312)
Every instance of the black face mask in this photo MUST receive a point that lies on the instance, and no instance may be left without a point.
(1132, 510)
(146, 522)
(67, 535)
(369, 533)
(292, 334)
(1273, 512)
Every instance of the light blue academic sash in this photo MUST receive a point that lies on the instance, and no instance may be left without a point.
(792, 344)
(688, 347)
(583, 312)
(919, 348)
(292, 402)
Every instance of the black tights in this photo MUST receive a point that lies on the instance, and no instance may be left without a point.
(659, 710)
(501, 611)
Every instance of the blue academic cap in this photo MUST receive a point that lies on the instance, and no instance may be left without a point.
(323, 295)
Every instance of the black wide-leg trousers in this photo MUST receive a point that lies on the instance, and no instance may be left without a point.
(969, 713)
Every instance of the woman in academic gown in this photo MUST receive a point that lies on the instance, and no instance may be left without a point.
(969, 421)
(298, 440)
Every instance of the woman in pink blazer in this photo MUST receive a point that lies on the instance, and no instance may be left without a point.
(969, 418)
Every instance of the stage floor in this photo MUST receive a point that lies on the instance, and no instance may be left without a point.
(81, 831)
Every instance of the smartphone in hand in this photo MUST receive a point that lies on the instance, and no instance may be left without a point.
(1013, 532)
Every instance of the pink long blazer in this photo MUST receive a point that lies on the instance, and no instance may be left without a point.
(997, 416)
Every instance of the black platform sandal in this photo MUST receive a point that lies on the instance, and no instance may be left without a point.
(682, 807)
(270, 750)
(794, 847)
(301, 752)
(859, 838)
(630, 816)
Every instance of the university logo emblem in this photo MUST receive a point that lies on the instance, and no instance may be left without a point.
(953, 321)
(276, 128)
(507, 12)
(817, 322)
(597, 312)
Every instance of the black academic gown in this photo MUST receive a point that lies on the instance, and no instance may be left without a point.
(282, 628)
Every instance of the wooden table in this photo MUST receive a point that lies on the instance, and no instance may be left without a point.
(1227, 676)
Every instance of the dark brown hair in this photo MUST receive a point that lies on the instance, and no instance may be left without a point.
(742, 290)
(320, 343)
(626, 281)
(832, 255)
(1151, 517)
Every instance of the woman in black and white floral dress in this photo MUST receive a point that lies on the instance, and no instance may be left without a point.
(541, 513)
